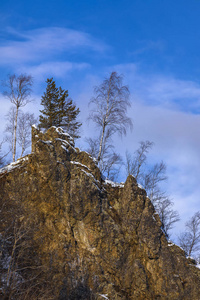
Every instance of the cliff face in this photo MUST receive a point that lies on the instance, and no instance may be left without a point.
(67, 234)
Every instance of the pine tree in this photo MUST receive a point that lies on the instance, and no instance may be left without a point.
(49, 101)
(69, 120)
(59, 110)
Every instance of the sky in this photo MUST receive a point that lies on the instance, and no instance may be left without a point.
(154, 44)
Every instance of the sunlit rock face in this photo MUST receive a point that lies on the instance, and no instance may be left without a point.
(81, 237)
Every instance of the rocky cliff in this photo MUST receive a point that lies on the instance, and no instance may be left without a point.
(67, 234)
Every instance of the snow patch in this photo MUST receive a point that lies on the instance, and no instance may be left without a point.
(88, 174)
(79, 164)
(13, 165)
(104, 296)
(114, 184)
(93, 158)
(47, 142)
(35, 126)
(64, 147)
(61, 131)
(140, 186)
(65, 143)
(170, 243)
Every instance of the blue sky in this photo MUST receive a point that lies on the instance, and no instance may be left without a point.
(154, 43)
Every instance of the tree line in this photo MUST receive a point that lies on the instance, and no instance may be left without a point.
(108, 111)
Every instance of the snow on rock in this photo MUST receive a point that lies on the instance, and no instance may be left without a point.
(170, 244)
(14, 165)
(60, 130)
(114, 184)
(47, 142)
(93, 158)
(64, 148)
(79, 164)
(140, 186)
(104, 296)
(90, 175)
(66, 143)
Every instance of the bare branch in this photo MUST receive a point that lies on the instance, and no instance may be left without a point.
(109, 109)
(18, 91)
(190, 239)
(135, 164)
(150, 180)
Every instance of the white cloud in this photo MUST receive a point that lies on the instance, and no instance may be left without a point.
(28, 46)
(53, 68)
(161, 90)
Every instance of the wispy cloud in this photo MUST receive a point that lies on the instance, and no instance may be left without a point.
(53, 68)
(167, 90)
(160, 90)
(42, 43)
(146, 46)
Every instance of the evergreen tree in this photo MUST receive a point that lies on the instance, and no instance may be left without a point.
(59, 110)
(69, 120)
(49, 101)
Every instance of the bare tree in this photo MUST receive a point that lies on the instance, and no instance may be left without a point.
(164, 207)
(135, 164)
(110, 162)
(190, 239)
(10, 126)
(93, 146)
(1, 156)
(150, 179)
(23, 133)
(25, 122)
(109, 109)
(111, 165)
(18, 91)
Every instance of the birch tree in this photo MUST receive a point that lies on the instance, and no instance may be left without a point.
(1, 156)
(109, 110)
(150, 178)
(26, 120)
(18, 91)
(23, 133)
(190, 239)
(135, 165)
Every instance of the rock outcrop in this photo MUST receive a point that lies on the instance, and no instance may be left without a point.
(68, 234)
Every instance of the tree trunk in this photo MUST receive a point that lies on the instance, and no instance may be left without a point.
(15, 134)
(104, 127)
(101, 144)
(23, 147)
